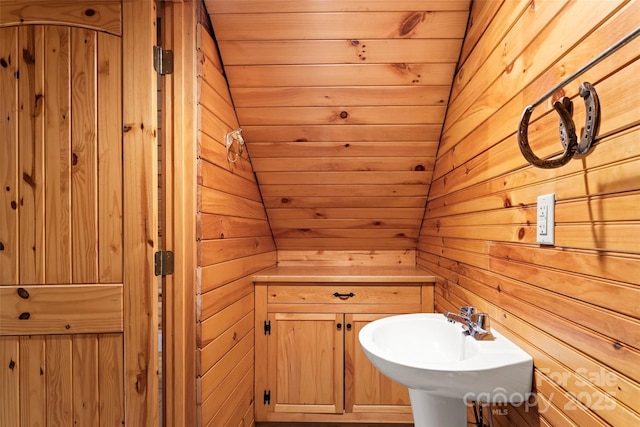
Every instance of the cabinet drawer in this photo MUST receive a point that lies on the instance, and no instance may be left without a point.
(343, 294)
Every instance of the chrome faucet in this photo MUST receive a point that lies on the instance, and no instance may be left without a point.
(475, 324)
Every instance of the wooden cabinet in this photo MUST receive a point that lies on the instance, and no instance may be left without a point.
(305, 363)
(309, 363)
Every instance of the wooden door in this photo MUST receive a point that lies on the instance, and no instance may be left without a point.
(305, 363)
(77, 228)
(367, 390)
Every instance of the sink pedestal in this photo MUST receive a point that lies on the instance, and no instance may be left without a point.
(437, 411)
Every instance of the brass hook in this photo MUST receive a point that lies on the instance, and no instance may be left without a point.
(235, 135)
(572, 148)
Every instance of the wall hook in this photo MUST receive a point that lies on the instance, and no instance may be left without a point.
(572, 148)
(234, 135)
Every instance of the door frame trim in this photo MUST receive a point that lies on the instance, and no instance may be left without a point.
(179, 112)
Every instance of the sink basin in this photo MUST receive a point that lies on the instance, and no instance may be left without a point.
(445, 369)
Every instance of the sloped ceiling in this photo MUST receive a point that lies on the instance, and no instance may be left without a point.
(341, 105)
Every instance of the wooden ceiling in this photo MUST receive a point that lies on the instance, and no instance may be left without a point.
(341, 105)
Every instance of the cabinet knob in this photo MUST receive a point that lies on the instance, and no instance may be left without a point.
(348, 326)
(339, 326)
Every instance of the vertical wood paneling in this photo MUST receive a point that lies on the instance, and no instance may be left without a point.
(62, 380)
(31, 171)
(10, 380)
(9, 158)
(52, 109)
(573, 307)
(110, 380)
(85, 380)
(51, 87)
(59, 381)
(109, 105)
(57, 155)
(33, 382)
(84, 164)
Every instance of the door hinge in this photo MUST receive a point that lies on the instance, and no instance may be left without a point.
(162, 60)
(267, 397)
(164, 263)
(267, 327)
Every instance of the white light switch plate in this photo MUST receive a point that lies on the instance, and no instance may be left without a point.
(546, 219)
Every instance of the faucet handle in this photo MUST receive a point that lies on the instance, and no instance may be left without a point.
(467, 311)
(480, 327)
(481, 321)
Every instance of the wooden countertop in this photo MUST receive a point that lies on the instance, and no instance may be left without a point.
(345, 274)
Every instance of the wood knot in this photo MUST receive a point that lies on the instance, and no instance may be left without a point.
(141, 382)
(24, 316)
(301, 140)
(401, 67)
(1, 246)
(509, 68)
(38, 104)
(3, 63)
(28, 57)
(12, 364)
(521, 233)
(507, 202)
(420, 168)
(410, 23)
(89, 12)
(344, 114)
(23, 293)
(29, 180)
(74, 159)
(284, 200)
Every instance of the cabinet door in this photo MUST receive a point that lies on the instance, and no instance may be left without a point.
(305, 363)
(367, 390)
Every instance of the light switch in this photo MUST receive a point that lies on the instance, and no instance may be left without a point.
(546, 219)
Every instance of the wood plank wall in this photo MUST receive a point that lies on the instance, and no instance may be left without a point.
(573, 306)
(342, 104)
(234, 241)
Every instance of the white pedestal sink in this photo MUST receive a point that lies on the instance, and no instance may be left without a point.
(445, 369)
